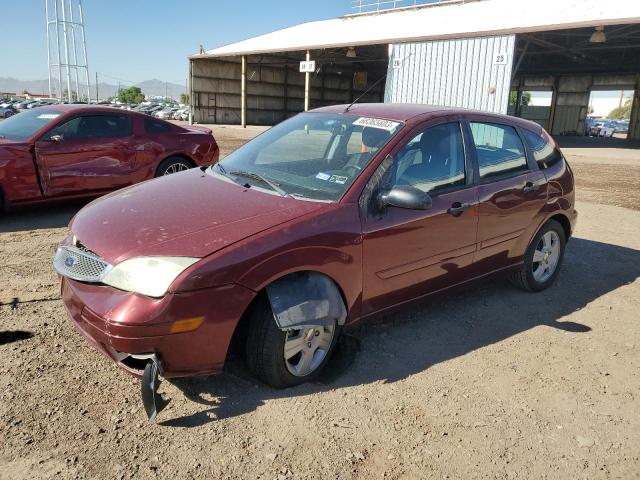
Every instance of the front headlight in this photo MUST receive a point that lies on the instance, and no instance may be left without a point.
(151, 276)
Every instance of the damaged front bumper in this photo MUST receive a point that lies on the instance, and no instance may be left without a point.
(135, 331)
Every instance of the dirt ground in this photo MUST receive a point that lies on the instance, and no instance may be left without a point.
(492, 383)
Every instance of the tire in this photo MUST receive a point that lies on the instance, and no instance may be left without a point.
(173, 165)
(265, 348)
(533, 277)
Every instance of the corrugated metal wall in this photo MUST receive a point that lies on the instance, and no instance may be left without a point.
(457, 73)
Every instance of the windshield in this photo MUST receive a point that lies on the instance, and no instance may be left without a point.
(25, 124)
(312, 155)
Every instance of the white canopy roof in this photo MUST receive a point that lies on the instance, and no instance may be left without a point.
(450, 20)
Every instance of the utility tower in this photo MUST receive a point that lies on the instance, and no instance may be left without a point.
(68, 72)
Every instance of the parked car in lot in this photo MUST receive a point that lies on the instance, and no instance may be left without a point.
(165, 113)
(6, 112)
(325, 220)
(181, 114)
(62, 151)
(621, 126)
(22, 105)
(607, 129)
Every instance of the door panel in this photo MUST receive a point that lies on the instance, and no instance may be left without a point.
(75, 166)
(511, 193)
(87, 153)
(506, 212)
(408, 253)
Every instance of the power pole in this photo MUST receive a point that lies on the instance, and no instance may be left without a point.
(97, 96)
(65, 19)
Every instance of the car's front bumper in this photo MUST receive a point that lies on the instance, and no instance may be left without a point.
(127, 327)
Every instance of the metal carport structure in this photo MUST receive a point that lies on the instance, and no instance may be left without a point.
(468, 53)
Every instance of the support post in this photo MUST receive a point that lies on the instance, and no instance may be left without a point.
(554, 103)
(243, 93)
(66, 49)
(286, 91)
(75, 51)
(84, 52)
(57, 23)
(46, 7)
(307, 82)
(634, 121)
(191, 101)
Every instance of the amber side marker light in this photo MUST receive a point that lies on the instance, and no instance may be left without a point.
(186, 325)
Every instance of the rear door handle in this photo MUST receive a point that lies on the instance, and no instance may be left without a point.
(458, 209)
(530, 187)
(140, 148)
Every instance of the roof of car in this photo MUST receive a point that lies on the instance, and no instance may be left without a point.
(79, 107)
(401, 112)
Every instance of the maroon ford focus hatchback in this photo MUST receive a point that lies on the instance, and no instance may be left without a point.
(324, 220)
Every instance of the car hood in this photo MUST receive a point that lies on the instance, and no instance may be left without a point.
(192, 214)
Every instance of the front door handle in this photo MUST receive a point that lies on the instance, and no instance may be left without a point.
(530, 187)
(458, 209)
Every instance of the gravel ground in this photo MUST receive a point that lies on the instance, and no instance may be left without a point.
(492, 383)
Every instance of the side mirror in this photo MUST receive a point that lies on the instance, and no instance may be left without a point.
(56, 138)
(405, 196)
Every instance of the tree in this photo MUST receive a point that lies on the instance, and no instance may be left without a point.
(184, 98)
(623, 112)
(131, 95)
(525, 98)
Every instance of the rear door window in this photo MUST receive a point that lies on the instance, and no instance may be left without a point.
(499, 148)
(544, 152)
(93, 126)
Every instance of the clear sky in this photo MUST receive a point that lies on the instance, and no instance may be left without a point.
(136, 40)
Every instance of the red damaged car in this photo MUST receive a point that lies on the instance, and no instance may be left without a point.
(68, 151)
(323, 221)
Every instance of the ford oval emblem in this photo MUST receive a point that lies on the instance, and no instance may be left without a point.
(69, 262)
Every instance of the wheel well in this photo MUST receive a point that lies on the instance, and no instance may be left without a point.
(566, 225)
(3, 203)
(238, 339)
(178, 155)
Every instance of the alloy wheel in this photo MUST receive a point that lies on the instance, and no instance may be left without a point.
(175, 168)
(546, 257)
(306, 349)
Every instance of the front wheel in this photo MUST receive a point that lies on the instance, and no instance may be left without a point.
(172, 165)
(543, 258)
(286, 358)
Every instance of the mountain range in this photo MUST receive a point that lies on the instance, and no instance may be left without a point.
(152, 87)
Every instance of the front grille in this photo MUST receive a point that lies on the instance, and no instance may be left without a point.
(80, 265)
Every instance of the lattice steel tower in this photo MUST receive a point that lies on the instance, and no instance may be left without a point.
(65, 23)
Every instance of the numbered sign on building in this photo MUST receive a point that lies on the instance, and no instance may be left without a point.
(500, 58)
(308, 67)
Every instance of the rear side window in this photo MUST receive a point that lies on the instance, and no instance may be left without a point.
(93, 126)
(499, 149)
(154, 126)
(544, 152)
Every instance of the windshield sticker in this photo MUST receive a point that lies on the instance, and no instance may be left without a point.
(323, 176)
(340, 180)
(387, 125)
(48, 116)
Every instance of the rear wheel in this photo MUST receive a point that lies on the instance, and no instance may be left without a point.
(286, 358)
(543, 258)
(173, 165)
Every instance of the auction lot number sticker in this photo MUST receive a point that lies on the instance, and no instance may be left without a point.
(376, 123)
